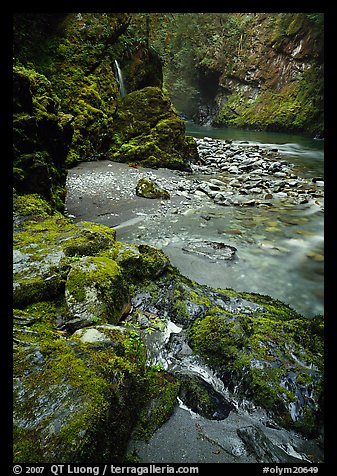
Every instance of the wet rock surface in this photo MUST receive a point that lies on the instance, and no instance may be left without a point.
(229, 360)
(247, 176)
(242, 430)
(211, 249)
(80, 381)
(252, 176)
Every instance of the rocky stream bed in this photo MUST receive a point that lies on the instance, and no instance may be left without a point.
(247, 224)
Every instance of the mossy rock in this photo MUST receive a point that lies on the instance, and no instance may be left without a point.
(148, 189)
(163, 391)
(148, 131)
(76, 58)
(42, 136)
(266, 361)
(141, 262)
(95, 291)
(30, 205)
(46, 245)
(76, 402)
(89, 239)
(262, 350)
(201, 398)
(78, 397)
(37, 273)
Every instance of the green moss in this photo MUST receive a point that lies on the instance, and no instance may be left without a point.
(36, 288)
(295, 24)
(216, 340)
(94, 390)
(31, 205)
(148, 131)
(43, 233)
(270, 307)
(197, 398)
(252, 348)
(141, 262)
(162, 389)
(295, 106)
(41, 137)
(149, 189)
(95, 287)
(88, 239)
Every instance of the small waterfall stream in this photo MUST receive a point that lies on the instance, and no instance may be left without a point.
(120, 79)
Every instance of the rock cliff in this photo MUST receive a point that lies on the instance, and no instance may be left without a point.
(253, 70)
(276, 79)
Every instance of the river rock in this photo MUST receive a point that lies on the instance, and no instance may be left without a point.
(247, 162)
(148, 189)
(211, 249)
(263, 449)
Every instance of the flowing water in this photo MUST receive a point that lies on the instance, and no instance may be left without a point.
(280, 249)
(306, 153)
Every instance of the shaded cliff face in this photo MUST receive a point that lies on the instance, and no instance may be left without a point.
(255, 70)
(276, 78)
(76, 53)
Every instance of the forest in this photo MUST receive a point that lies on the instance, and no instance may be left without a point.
(168, 262)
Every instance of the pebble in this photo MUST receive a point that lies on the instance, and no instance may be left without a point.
(252, 173)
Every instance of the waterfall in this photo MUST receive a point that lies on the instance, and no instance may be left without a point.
(120, 80)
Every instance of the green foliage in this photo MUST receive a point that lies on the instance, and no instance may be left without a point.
(31, 205)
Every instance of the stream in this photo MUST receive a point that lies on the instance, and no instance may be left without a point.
(278, 251)
(279, 248)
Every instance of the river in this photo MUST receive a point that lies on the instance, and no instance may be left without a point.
(279, 248)
(306, 153)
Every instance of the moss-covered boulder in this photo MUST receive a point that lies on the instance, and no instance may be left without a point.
(96, 291)
(275, 363)
(46, 244)
(79, 395)
(149, 132)
(74, 401)
(141, 262)
(261, 349)
(88, 239)
(148, 189)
